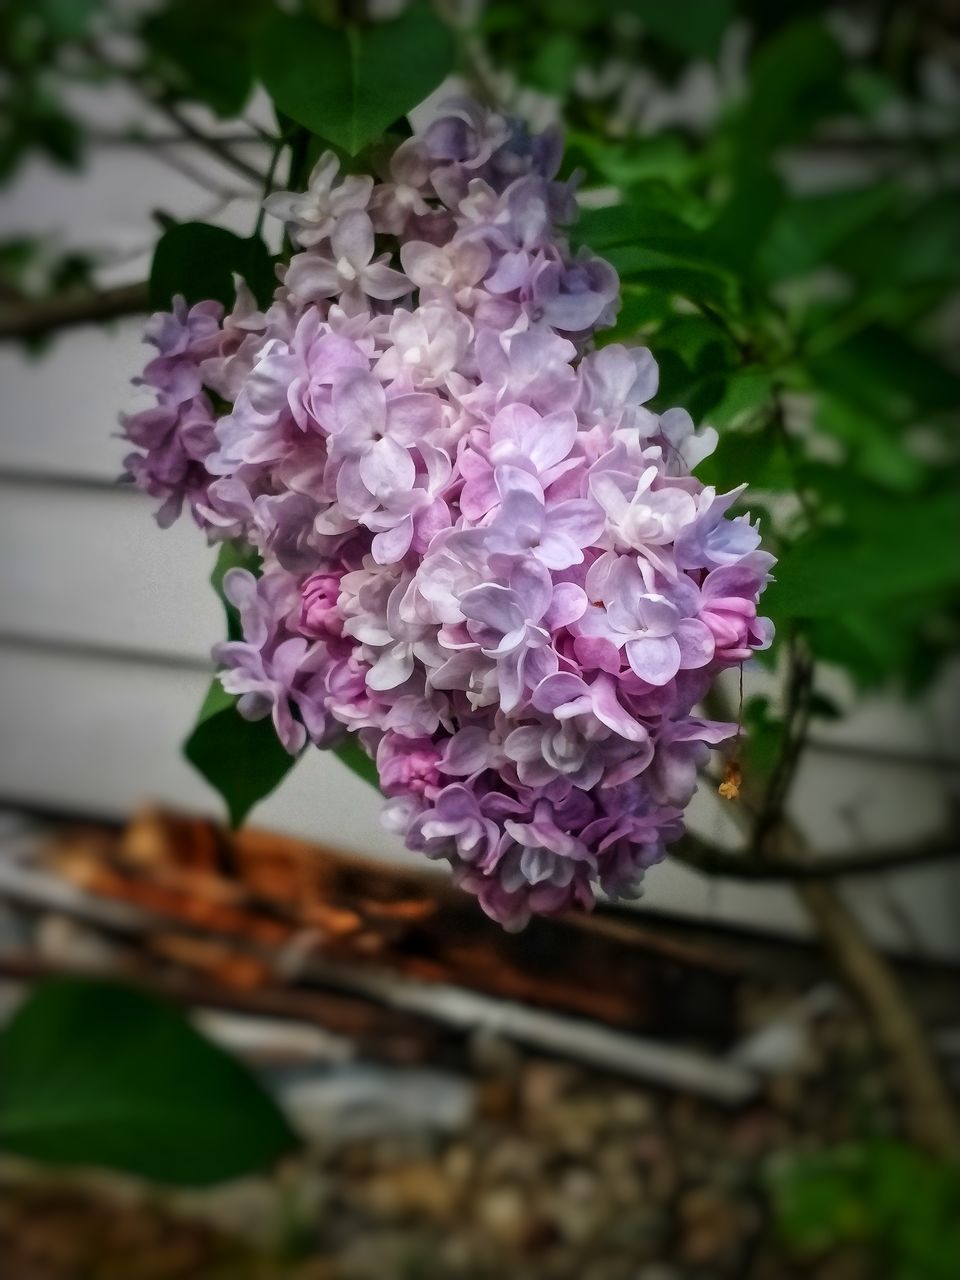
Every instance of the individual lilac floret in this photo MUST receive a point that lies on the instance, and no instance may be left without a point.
(176, 435)
(313, 214)
(484, 552)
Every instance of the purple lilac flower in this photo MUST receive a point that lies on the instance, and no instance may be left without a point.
(483, 553)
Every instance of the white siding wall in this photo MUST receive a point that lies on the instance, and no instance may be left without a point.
(105, 622)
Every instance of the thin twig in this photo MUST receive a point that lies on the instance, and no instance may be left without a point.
(268, 183)
(162, 101)
(886, 755)
(146, 141)
(209, 143)
(796, 722)
(712, 861)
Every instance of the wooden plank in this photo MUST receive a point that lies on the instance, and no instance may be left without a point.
(291, 900)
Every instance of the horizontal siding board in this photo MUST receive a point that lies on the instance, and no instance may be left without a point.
(100, 737)
(59, 411)
(95, 568)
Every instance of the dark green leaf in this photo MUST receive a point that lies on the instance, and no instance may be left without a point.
(640, 306)
(354, 757)
(67, 19)
(555, 63)
(795, 79)
(350, 85)
(639, 216)
(96, 1073)
(877, 448)
(675, 272)
(693, 27)
(807, 229)
(763, 733)
(233, 555)
(704, 345)
(241, 759)
(885, 374)
(745, 219)
(202, 56)
(747, 395)
(870, 90)
(823, 707)
(889, 553)
(198, 261)
(757, 458)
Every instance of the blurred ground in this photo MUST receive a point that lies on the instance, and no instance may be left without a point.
(441, 1143)
(557, 1173)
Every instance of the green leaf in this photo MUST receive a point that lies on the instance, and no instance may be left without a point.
(746, 394)
(745, 219)
(889, 553)
(555, 62)
(97, 1073)
(352, 754)
(702, 344)
(693, 27)
(350, 85)
(664, 158)
(241, 759)
(879, 1194)
(640, 306)
(645, 211)
(808, 228)
(198, 261)
(763, 734)
(886, 374)
(200, 55)
(675, 271)
(757, 458)
(233, 555)
(795, 80)
(875, 448)
(66, 19)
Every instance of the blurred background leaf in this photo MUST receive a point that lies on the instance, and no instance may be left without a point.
(97, 1073)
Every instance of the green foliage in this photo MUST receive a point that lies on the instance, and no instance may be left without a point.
(199, 261)
(33, 116)
(795, 80)
(96, 1073)
(694, 28)
(349, 85)
(871, 560)
(241, 759)
(883, 1195)
(201, 56)
(232, 555)
(806, 326)
(350, 753)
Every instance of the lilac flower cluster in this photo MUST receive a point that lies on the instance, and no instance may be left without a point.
(481, 552)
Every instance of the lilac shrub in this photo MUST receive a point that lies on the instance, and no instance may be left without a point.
(482, 553)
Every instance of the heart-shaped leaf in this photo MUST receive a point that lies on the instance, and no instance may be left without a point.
(349, 85)
(198, 260)
(96, 1073)
(242, 759)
